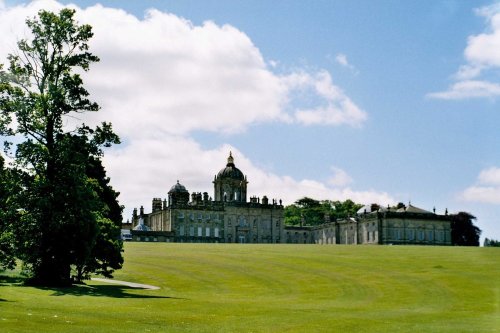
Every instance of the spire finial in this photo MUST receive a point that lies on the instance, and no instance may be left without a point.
(230, 159)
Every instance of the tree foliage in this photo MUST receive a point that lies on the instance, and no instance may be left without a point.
(104, 257)
(491, 243)
(308, 211)
(62, 210)
(463, 230)
(8, 215)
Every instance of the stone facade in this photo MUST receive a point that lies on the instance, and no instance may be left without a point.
(231, 218)
(409, 225)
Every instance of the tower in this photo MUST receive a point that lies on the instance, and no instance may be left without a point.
(230, 184)
(178, 195)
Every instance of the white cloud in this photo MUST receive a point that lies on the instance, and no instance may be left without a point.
(485, 194)
(490, 176)
(337, 108)
(482, 53)
(339, 177)
(487, 189)
(148, 168)
(468, 89)
(482, 49)
(341, 59)
(168, 75)
(162, 77)
(180, 77)
(467, 72)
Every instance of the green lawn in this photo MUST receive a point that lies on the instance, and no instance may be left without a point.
(272, 288)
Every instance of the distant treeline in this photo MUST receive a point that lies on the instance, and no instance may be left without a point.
(491, 243)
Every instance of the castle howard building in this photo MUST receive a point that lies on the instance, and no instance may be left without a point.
(228, 218)
(231, 218)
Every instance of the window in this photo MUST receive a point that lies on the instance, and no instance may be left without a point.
(398, 234)
(278, 224)
(367, 236)
(207, 231)
(421, 235)
(191, 231)
(181, 230)
(199, 231)
(180, 215)
(216, 232)
(430, 235)
(200, 216)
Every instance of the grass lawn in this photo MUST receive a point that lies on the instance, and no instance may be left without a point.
(272, 288)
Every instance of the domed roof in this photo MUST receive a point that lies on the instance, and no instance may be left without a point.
(231, 171)
(178, 188)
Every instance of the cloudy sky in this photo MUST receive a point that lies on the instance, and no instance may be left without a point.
(377, 101)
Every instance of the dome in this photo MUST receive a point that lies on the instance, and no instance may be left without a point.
(231, 171)
(178, 188)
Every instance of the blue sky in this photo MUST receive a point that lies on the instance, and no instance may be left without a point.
(381, 101)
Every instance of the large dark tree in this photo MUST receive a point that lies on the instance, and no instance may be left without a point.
(463, 230)
(105, 256)
(8, 215)
(62, 214)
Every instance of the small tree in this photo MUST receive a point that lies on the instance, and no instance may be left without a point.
(491, 243)
(345, 209)
(313, 212)
(61, 212)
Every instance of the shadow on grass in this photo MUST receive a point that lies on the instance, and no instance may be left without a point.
(114, 291)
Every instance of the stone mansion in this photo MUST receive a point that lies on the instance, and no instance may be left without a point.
(230, 217)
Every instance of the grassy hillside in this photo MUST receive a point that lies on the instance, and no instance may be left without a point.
(273, 288)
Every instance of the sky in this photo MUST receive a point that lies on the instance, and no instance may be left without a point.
(374, 101)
